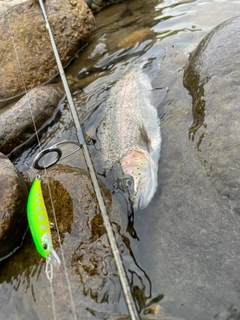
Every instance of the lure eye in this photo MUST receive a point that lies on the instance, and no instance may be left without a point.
(45, 246)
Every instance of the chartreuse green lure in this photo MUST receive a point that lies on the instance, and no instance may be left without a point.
(39, 224)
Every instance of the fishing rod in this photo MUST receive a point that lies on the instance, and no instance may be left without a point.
(133, 312)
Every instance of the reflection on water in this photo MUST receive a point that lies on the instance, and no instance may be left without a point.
(173, 250)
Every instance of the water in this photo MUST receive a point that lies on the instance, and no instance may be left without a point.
(186, 252)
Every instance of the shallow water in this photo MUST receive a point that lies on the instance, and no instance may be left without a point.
(185, 247)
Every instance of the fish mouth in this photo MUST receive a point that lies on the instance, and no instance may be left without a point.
(141, 167)
(139, 203)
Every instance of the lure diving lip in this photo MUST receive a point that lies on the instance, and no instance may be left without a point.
(39, 224)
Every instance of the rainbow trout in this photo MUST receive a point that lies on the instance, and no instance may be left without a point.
(130, 137)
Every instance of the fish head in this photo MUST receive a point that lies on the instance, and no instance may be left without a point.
(139, 178)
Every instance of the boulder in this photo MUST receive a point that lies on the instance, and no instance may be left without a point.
(26, 55)
(16, 123)
(211, 77)
(13, 199)
(84, 252)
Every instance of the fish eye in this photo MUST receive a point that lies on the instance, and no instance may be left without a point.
(129, 183)
(126, 184)
(45, 246)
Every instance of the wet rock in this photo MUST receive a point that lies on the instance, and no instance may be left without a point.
(153, 318)
(137, 36)
(211, 77)
(5, 5)
(110, 15)
(97, 5)
(16, 123)
(33, 59)
(13, 198)
(86, 249)
(231, 314)
(84, 252)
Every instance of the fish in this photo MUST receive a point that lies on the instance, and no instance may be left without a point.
(39, 224)
(130, 137)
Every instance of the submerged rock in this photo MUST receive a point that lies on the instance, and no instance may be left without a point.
(136, 37)
(84, 252)
(25, 49)
(97, 5)
(13, 199)
(211, 77)
(16, 123)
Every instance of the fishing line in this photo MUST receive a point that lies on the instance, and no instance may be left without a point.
(80, 136)
(23, 81)
(63, 258)
(49, 273)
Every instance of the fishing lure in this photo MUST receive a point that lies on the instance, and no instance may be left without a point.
(39, 224)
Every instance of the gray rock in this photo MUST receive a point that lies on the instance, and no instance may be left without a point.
(13, 199)
(212, 78)
(16, 123)
(30, 56)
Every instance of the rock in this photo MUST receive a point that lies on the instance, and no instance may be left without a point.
(153, 318)
(211, 77)
(13, 199)
(30, 57)
(16, 123)
(97, 5)
(5, 5)
(135, 37)
(86, 249)
(88, 261)
(109, 16)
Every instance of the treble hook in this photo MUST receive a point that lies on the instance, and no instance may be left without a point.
(49, 270)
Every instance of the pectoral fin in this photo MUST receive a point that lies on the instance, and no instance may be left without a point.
(157, 96)
(146, 136)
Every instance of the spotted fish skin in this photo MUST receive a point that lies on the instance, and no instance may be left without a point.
(39, 223)
(129, 135)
